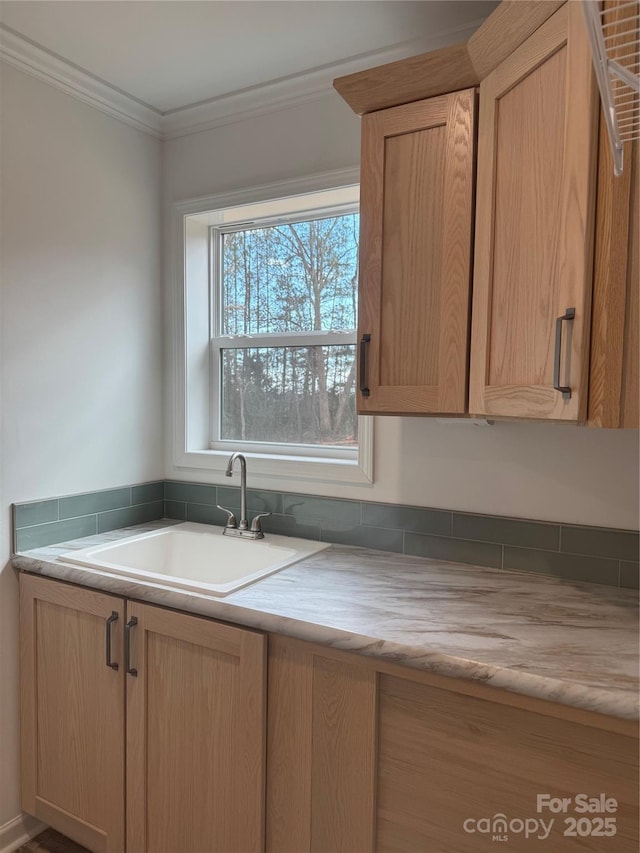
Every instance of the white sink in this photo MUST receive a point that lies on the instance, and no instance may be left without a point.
(195, 557)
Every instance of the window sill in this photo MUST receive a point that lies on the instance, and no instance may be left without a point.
(281, 467)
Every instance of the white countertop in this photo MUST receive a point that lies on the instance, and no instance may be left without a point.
(563, 641)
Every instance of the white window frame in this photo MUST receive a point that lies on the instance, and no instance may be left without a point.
(192, 315)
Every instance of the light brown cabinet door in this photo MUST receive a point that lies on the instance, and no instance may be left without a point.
(451, 766)
(321, 751)
(614, 377)
(73, 711)
(195, 734)
(534, 227)
(416, 223)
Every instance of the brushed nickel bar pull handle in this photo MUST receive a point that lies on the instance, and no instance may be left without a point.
(364, 390)
(127, 646)
(565, 390)
(113, 618)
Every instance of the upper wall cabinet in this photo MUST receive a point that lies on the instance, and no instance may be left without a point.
(554, 324)
(614, 380)
(534, 227)
(416, 236)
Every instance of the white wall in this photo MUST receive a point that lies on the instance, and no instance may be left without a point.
(80, 326)
(542, 471)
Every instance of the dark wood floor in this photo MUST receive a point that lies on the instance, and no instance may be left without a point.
(50, 841)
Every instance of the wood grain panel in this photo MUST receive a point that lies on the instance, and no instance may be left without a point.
(609, 289)
(534, 225)
(343, 757)
(196, 736)
(506, 28)
(289, 734)
(321, 751)
(631, 362)
(444, 758)
(479, 690)
(72, 712)
(415, 247)
(613, 377)
(530, 145)
(411, 255)
(413, 79)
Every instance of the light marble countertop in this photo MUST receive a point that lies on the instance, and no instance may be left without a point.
(567, 642)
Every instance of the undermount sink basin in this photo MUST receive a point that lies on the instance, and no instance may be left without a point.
(195, 557)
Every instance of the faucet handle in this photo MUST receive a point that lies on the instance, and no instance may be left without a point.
(231, 519)
(256, 527)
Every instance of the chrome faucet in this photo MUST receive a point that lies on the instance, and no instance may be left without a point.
(241, 527)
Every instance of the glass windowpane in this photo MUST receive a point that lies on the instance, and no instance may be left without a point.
(292, 395)
(294, 277)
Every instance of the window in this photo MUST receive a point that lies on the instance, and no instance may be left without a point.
(285, 302)
(268, 349)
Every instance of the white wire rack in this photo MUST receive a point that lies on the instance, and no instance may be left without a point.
(614, 32)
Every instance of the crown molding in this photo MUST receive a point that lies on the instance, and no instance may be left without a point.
(74, 81)
(237, 106)
(296, 89)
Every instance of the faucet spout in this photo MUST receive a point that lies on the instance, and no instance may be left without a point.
(241, 527)
(243, 524)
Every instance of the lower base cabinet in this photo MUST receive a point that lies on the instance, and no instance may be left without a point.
(164, 723)
(73, 711)
(190, 695)
(368, 757)
(458, 773)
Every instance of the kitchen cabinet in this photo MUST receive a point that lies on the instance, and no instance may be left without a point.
(361, 755)
(614, 379)
(321, 751)
(194, 718)
(195, 734)
(416, 196)
(72, 708)
(446, 761)
(554, 316)
(366, 756)
(534, 227)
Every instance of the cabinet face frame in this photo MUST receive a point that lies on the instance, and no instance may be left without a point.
(613, 373)
(321, 750)
(399, 279)
(94, 709)
(240, 669)
(565, 28)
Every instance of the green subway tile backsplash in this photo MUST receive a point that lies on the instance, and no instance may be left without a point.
(407, 518)
(196, 493)
(175, 509)
(205, 514)
(257, 500)
(37, 512)
(573, 552)
(287, 525)
(42, 523)
(93, 502)
(602, 542)
(568, 566)
(323, 511)
(56, 531)
(506, 531)
(453, 550)
(630, 575)
(130, 515)
(147, 493)
(365, 537)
